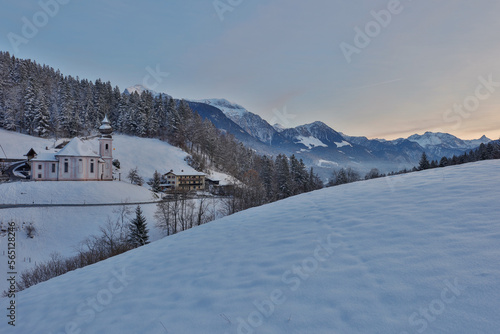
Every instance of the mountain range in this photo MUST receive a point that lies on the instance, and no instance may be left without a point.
(322, 147)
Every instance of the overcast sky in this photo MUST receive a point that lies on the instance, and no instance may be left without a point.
(378, 68)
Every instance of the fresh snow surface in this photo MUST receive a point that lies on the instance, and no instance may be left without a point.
(16, 145)
(76, 147)
(223, 179)
(148, 155)
(72, 192)
(310, 142)
(406, 254)
(342, 144)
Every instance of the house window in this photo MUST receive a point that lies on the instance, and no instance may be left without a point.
(39, 176)
(39, 166)
(53, 168)
(80, 166)
(107, 147)
(91, 167)
(66, 166)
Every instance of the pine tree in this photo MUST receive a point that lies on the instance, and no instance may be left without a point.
(155, 182)
(29, 107)
(424, 163)
(339, 177)
(138, 232)
(42, 118)
(283, 179)
(315, 182)
(443, 162)
(266, 175)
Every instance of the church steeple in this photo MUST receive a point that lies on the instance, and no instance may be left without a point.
(105, 129)
(106, 150)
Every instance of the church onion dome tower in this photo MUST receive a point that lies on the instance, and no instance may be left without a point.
(105, 129)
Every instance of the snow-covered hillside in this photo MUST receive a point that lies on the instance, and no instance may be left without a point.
(405, 254)
(61, 229)
(146, 154)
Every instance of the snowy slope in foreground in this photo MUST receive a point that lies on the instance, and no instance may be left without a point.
(403, 254)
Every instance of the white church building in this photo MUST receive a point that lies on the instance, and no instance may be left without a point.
(79, 160)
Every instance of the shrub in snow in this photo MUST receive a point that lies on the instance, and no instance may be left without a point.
(134, 177)
(30, 230)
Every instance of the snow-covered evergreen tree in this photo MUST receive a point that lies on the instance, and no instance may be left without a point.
(424, 163)
(42, 117)
(29, 107)
(155, 182)
(283, 178)
(138, 231)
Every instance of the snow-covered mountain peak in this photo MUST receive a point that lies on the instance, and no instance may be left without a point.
(253, 124)
(278, 127)
(318, 125)
(318, 129)
(447, 140)
(316, 134)
(476, 142)
(139, 89)
(436, 138)
(227, 107)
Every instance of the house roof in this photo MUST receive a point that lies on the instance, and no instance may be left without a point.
(183, 173)
(77, 148)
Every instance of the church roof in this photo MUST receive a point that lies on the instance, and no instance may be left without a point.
(45, 156)
(31, 152)
(77, 148)
(105, 128)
